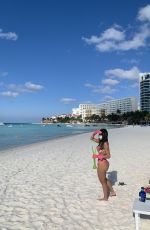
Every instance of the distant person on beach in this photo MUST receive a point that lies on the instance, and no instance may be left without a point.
(103, 164)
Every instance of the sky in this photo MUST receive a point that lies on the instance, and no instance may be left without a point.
(57, 54)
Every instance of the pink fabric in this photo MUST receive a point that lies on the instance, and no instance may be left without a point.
(104, 161)
(99, 156)
(97, 132)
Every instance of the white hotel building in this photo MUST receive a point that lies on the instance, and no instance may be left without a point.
(124, 105)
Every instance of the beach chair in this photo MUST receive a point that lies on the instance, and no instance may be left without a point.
(140, 208)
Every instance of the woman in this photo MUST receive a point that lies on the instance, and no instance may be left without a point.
(103, 164)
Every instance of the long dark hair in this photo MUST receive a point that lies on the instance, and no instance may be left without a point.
(104, 135)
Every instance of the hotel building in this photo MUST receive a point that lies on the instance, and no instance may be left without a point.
(123, 105)
(145, 92)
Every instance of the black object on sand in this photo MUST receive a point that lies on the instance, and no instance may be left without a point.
(121, 183)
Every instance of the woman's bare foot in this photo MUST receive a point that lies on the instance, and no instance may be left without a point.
(112, 194)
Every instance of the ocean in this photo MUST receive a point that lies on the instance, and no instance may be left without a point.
(20, 134)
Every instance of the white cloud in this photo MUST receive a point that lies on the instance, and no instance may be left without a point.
(112, 33)
(144, 13)
(110, 82)
(67, 101)
(111, 44)
(108, 85)
(106, 46)
(17, 88)
(13, 90)
(8, 36)
(27, 87)
(9, 94)
(33, 87)
(88, 85)
(108, 39)
(117, 39)
(104, 90)
(138, 40)
(132, 74)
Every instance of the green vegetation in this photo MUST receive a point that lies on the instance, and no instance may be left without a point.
(60, 119)
(137, 117)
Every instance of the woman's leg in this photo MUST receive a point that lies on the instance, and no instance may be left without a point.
(112, 192)
(101, 171)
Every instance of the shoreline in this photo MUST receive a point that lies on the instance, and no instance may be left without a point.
(51, 139)
(35, 144)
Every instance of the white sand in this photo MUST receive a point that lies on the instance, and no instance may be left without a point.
(52, 185)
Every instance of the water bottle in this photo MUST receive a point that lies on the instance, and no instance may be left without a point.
(142, 195)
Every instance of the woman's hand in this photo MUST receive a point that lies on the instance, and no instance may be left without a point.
(94, 139)
(97, 132)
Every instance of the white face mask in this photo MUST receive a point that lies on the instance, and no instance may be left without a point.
(100, 137)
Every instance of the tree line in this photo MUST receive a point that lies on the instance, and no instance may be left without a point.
(137, 117)
(66, 119)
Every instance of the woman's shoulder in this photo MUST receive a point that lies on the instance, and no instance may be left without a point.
(106, 143)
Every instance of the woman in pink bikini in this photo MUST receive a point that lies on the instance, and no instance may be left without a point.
(103, 164)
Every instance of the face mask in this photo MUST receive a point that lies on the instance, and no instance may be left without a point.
(100, 137)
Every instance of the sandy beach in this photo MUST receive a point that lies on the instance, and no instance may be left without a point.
(52, 185)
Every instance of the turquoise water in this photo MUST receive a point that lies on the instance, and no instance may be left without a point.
(14, 135)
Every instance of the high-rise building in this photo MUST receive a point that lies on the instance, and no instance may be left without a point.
(123, 105)
(145, 92)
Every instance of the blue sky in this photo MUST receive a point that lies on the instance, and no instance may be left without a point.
(55, 55)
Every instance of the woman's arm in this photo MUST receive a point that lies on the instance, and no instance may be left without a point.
(93, 136)
(94, 139)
